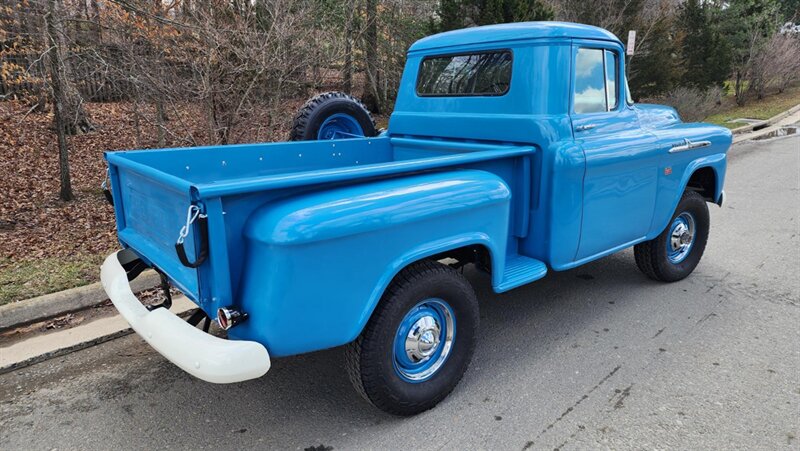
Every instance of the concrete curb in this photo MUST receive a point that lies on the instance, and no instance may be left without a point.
(765, 123)
(788, 120)
(63, 302)
(39, 348)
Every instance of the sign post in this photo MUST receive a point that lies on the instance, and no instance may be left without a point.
(631, 42)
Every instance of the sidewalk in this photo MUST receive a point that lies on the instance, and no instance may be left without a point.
(758, 126)
(781, 120)
(44, 346)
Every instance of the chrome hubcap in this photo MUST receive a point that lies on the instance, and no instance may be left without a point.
(422, 339)
(681, 238)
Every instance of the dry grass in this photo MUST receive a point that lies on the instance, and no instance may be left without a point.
(23, 279)
(756, 109)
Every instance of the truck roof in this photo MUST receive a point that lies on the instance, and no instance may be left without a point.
(512, 32)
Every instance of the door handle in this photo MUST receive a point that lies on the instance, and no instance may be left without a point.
(686, 144)
(584, 127)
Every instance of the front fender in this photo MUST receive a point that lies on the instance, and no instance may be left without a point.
(680, 161)
(316, 265)
(669, 201)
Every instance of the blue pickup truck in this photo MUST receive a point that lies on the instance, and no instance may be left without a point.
(516, 148)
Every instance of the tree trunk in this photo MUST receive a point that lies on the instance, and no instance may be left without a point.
(75, 121)
(57, 81)
(374, 99)
(137, 124)
(738, 88)
(186, 10)
(347, 70)
(31, 25)
(98, 29)
(160, 121)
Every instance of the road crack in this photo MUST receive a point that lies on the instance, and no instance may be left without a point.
(571, 408)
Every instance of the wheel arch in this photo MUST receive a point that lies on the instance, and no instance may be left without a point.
(707, 174)
(711, 164)
(449, 248)
(704, 181)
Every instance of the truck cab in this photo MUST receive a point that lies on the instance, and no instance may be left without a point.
(512, 147)
(606, 170)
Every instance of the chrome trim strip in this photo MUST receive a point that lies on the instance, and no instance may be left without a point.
(688, 145)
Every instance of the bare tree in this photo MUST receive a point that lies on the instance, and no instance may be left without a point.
(75, 121)
(349, 38)
(58, 82)
(374, 97)
(776, 65)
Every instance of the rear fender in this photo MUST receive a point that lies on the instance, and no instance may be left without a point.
(316, 265)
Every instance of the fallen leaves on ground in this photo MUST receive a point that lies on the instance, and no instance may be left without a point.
(63, 321)
(36, 226)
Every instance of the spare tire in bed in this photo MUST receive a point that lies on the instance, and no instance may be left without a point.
(332, 115)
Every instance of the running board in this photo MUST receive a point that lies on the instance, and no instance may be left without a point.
(519, 271)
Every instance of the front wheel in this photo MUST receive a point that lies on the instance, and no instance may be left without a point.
(673, 255)
(418, 342)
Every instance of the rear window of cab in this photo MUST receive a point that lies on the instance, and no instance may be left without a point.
(465, 74)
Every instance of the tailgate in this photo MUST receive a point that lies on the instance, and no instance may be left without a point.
(150, 208)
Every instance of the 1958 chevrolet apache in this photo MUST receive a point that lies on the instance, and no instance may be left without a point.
(513, 147)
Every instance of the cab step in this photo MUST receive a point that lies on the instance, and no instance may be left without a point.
(519, 271)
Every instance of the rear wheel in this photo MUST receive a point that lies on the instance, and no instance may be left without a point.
(332, 115)
(675, 253)
(418, 342)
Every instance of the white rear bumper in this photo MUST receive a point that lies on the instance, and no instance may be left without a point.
(200, 354)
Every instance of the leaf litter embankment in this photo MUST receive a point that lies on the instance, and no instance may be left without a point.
(48, 245)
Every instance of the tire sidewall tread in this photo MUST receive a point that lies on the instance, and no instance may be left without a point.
(651, 256)
(370, 359)
(313, 113)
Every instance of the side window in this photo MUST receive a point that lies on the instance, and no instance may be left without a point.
(611, 79)
(596, 80)
(590, 90)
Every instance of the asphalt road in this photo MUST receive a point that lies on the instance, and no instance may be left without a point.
(594, 358)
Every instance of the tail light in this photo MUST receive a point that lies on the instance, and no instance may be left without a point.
(228, 317)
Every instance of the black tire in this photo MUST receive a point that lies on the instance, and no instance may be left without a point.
(652, 256)
(371, 361)
(311, 116)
